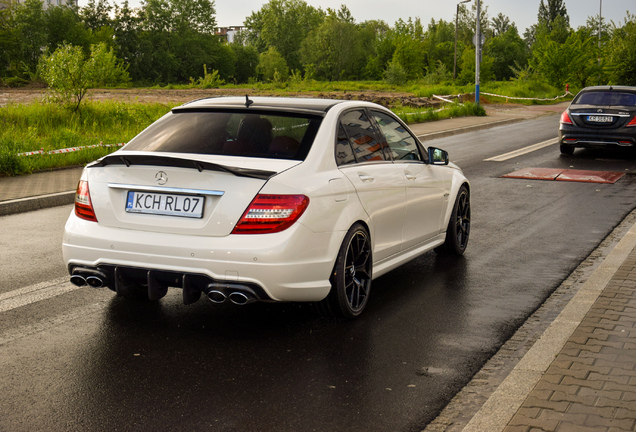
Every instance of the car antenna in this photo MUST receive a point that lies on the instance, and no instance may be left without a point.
(248, 102)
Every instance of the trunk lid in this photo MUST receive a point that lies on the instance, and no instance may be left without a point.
(177, 193)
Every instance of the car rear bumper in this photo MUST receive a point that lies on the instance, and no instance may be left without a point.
(286, 266)
(578, 139)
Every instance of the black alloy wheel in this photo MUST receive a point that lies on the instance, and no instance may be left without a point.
(458, 230)
(351, 277)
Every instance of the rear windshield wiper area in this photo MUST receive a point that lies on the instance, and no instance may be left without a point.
(165, 161)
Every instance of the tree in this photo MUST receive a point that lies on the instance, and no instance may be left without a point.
(126, 26)
(467, 74)
(573, 61)
(334, 49)
(506, 49)
(500, 25)
(439, 44)
(272, 66)
(467, 22)
(96, 15)
(283, 24)
(30, 32)
(377, 46)
(70, 74)
(246, 62)
(63, 25)
(549, 13)
(9, 46)
(176, 38)
(622, 53)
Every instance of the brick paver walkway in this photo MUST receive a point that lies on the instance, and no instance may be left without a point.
(591, 385)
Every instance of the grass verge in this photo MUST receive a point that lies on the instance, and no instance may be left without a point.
(43, 126)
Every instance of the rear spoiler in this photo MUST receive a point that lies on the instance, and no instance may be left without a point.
(166, 161)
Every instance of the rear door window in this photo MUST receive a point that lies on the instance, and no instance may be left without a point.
(357, 130)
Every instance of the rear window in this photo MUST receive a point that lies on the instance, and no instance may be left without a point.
(606, 98)
(253, 134)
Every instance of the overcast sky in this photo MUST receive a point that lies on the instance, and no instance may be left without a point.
(522, 12)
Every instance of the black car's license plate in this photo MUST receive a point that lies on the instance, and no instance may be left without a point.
(165, 204)
(600, 119)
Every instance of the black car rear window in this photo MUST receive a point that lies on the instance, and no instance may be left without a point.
(606, 98)
(258, 134)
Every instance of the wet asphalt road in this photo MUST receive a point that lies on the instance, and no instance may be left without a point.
(86, 360)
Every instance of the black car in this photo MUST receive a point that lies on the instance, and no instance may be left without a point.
(600, 117)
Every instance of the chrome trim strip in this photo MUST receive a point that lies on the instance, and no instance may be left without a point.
(601, 114)
(159, 189)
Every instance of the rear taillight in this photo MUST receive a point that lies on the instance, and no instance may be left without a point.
(565, 118)
(632, 123)
(271, 213)
(83, 205)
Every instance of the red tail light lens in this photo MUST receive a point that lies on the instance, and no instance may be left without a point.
(565, 118)
(83, 206)
(271, 213)
(632, 123)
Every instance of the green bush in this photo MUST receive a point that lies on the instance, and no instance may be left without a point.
(209, 80)
(69, 74)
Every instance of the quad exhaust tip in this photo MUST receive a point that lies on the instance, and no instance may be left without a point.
(216, 296)
(91, 278)
(237, 297)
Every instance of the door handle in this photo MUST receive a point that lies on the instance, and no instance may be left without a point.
(410, 176)
(365, 178)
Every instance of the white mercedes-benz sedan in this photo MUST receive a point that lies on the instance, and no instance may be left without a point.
(265, 199)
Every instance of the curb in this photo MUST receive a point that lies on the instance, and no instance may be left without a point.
(22, 205)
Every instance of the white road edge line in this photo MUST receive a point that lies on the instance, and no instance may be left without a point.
(513, 154)
(34, 293)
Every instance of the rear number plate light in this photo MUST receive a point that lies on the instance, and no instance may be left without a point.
(190, 206)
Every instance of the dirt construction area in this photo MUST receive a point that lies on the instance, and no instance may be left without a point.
(25, 96)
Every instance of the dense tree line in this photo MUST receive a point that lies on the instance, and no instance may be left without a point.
(171, 41)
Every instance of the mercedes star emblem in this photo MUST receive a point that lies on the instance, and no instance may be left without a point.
(161, 177)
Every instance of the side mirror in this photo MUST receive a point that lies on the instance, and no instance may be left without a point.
(437, 156)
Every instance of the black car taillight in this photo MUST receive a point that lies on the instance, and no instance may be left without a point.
(632, 123)
(83, 205)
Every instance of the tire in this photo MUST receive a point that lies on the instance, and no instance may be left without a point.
(458, 230)
(352, 274)
(566, 149)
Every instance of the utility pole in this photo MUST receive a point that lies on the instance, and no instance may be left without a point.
(600, 28)
(477, 52)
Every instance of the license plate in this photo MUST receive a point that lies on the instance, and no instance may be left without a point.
(165, 204)
(600, 119)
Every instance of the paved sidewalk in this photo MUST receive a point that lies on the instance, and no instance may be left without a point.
(580, 374)
(591, 384)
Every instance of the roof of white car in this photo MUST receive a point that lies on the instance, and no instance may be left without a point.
(276, 103)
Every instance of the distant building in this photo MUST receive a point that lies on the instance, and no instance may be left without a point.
(229, 33)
